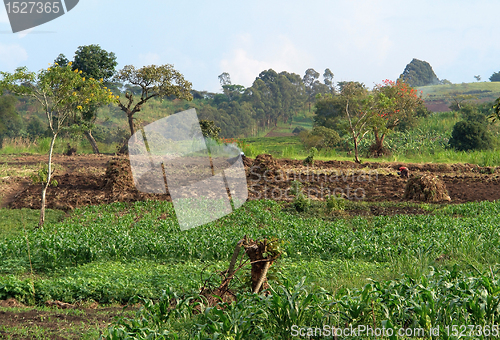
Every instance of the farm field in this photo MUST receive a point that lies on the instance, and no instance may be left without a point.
(375, 260)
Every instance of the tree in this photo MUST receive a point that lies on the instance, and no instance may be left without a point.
(154, 81)
(62, 93)
(328, 79)
(10, 121)
(495, 76)
(310, 81)
(478, 78)
(358, 109)
(96, 63)
(419, 73)
(470, 135)
(395, 102)
(458, 100)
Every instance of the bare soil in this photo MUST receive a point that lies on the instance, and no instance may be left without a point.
(55, 323)
(90, 180)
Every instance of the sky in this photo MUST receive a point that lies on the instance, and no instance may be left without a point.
(360, 40)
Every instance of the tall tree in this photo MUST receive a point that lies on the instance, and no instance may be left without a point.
(96, 63)
(310, 82)
(62, 93)
(154, 81)
(419, 73)
(328, 79)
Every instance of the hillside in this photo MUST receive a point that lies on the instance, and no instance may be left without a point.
(437, 97)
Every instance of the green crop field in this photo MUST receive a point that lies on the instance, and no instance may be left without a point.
(419, 271)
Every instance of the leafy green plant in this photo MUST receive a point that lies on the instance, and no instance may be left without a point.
(41, 176)
(335, 203)
(310, 159)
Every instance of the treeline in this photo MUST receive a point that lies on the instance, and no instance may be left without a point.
(239, 112)
(273, 97)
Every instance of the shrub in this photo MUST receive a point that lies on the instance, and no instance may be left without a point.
(470, 135)
(310, 159)
(320, 138)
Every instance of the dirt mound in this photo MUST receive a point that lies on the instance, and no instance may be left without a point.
(10, 303)
(119, 182)
(426, 188)
(266, 165)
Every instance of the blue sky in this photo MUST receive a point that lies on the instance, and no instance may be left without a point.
(363, 40)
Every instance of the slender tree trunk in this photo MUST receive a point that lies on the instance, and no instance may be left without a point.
(356, 158)
(131, 123)
(49, 177)
(92, 142)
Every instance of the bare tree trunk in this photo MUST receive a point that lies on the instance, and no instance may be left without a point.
(356, 158)
(92, 142)
(131, 123)
(49, 177)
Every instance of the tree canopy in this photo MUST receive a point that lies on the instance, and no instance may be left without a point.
(419, 73)
(62, 93)
(154, 81)
(495, 76)
(97, 63)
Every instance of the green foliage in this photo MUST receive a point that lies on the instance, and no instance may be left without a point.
(443, 299)
(419, 73)
(95, 62)
(495, 76)
(154, 81)
(10, 120)
(470, 135)
(320, 138)
(209, 129)
(310, 159)
(41, 176)
(335, 203)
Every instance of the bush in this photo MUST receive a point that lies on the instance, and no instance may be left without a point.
(470, 135)
(320, 138)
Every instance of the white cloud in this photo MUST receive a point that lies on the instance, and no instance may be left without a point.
(149, 59)
(246, 61)
(11, 56)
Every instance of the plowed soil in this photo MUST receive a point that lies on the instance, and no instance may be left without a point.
(90, 179)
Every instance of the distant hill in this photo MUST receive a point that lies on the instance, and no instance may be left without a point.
(437, 97)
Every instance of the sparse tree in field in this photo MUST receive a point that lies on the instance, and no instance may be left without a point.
(97, 63)
(478, 78)
(62, 93)
(358, 108)
(458, 100)
(154, 81)
(395, 102)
